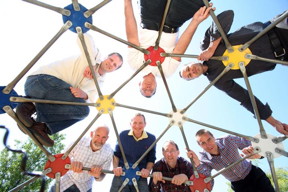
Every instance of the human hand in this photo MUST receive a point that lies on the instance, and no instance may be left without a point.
(95, 171)
(202, 14)
(205, 55)
(79, 93)
(179, 179)
(282, 128)
(157, 176)
(249, 151)
(192, 155)
(76, 166)
(145, 173)
(118, 171)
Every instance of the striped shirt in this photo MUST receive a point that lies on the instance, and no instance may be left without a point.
(228, 148)
(82, 152)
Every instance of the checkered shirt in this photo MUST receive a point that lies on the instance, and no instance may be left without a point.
(82, 152)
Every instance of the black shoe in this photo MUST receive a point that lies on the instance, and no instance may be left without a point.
(24, 111)
(40, 131)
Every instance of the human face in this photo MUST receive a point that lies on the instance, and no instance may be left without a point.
(207, 142)
(148, 85)
(192, 71)
(138, 124)
(110, 64)
(170, 154)
(98, 138)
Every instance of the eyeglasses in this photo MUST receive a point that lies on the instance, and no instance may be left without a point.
(171, 152)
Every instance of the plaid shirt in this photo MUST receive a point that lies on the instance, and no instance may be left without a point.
(228, 148)
(182, 167)
(82, 152)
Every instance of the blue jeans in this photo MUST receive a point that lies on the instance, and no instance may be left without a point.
(179, 12)
(117, 183)
(57, 117)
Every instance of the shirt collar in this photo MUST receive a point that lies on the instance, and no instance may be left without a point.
(143, 136)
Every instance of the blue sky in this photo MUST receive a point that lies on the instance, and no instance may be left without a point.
(28, 28)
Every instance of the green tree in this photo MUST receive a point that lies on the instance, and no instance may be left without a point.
(282, 177)
(10, 164)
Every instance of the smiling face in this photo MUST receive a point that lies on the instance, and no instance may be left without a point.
(138, 124)
(170, 153)
(207, 142)
(110, 64)
(99, 138)
(192, 71)
(148, 85)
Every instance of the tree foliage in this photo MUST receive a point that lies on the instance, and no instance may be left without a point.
(282, 177)
(11, 173)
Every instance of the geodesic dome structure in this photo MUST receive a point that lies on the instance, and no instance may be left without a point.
(79, 19)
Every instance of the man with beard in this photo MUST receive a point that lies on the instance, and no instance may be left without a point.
(90, 152)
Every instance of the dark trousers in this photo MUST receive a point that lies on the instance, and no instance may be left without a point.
(179, 11)
(255, 181)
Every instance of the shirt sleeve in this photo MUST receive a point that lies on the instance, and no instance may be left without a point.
(225, 19)
(240, 94)
(239, 141)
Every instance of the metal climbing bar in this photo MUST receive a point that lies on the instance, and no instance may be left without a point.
(57, 183)
(208, 179)
(90, 12)
(226, 69)
(134, 181)
(83, 133)
(22, 185)
(188, 149)
(218, 58)
(12, 114)
(277, 140)
(269, 157)
(23, 99)
(281, 151)
(76, 5)
(167, 179)
(11, 85)
(264, 31)
(126, 164)
(152, 145)
(84, 46)
(253, 139)
(94, 28)
(162, 24)
(252, 99)
(47, 6)
(166, 86)
(143, 110)
(255, 57)
(220, 29)
(125, 182)
(128, 80)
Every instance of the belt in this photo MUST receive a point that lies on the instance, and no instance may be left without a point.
(155, 27)
(279, 50)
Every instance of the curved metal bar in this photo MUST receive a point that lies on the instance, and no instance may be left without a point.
(94, 9)
(166, 86)
(84, 46)
(162, 24)
(218, 58)
(12, 114)
(127, 81)
(143, 110)
(83, 133)
(94, 28)
(119, 141)
(151, 146)
(273, 172)
(221, 31)
(227, 68)
(223, 130)
(47, 6)
(11, 85)
(188, 149)
(252, 99)
(255, 57)
(23, 99)
(264, 31)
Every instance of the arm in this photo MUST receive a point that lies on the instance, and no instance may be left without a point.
(186, 37)
(209, 52)
(145, 172)
(116, 170)
(130, 23)
(280, 127)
